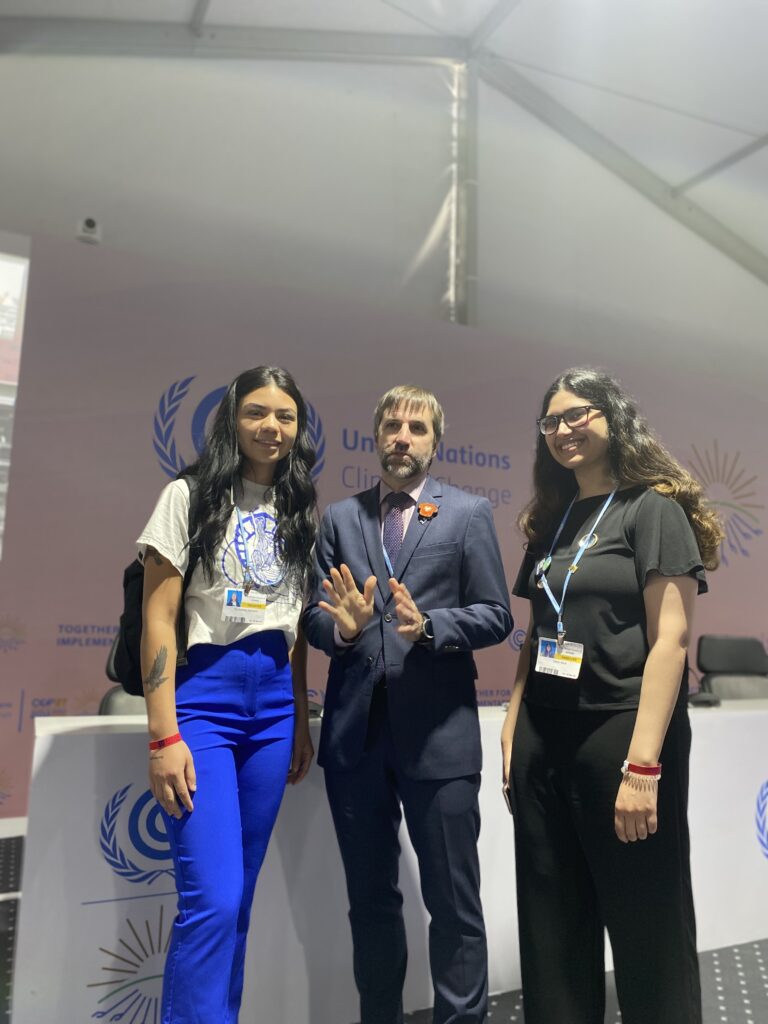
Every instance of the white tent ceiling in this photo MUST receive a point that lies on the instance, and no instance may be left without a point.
(669, 94)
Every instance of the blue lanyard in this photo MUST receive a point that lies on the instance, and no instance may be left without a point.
(544, 564)
(390, 569)
(248, 563)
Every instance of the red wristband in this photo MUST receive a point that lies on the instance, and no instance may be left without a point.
(167, 742)
(653, 770)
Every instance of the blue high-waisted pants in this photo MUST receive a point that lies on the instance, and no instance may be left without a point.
(235, 712)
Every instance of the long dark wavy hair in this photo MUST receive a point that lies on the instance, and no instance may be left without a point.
(218, 472)
(635, 458)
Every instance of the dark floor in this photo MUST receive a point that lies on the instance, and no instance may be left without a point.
(734, 980)
(8, 914)
(11, 851)
(734, 989)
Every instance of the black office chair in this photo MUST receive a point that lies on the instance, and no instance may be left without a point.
(117, 702)
(733, 667)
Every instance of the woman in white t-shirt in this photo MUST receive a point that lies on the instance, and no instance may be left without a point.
(228, 726)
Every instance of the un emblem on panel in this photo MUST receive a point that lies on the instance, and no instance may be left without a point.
(164, 441)
(761, 818)
(133, 839)
(732, 489)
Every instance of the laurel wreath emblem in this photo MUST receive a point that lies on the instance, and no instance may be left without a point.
(315, 428)
(164, 422)
(761, 818)
(113, 854)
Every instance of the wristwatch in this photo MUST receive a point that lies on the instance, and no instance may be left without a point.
(427, 633)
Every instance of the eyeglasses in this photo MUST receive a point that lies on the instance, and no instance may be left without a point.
(575, 417)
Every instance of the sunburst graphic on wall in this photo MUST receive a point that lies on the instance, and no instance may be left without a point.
(133, 972)
(732, 490)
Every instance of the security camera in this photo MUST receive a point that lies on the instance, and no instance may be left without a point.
(89, 230)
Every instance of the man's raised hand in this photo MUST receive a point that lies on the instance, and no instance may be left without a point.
(349, 609)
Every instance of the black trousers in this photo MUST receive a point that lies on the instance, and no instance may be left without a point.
(443, 821)
(574, 877)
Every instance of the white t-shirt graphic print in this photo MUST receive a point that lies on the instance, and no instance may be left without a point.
(167, 532)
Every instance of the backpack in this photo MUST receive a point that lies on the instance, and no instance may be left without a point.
(124, 661)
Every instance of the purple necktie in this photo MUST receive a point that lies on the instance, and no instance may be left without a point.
(393, 524)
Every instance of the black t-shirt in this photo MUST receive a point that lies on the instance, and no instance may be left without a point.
(642, 532)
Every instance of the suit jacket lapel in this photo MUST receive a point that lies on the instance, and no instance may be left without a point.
(370, 524)
(417, 529)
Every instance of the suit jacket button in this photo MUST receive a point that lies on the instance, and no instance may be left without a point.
(387, 617)
(369, 661)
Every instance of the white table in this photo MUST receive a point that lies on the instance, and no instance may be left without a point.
(75, 907)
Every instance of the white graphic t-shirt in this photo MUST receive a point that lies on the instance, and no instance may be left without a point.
(166, 531)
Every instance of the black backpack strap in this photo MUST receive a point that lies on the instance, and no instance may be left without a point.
(194, 553)
(194, 558)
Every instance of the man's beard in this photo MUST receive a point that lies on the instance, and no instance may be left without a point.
(406, 466)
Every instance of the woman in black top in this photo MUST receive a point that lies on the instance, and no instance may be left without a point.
(618, 540)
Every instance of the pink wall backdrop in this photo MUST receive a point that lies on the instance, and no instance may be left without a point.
(120, 363)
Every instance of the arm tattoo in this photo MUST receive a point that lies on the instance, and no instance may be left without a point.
(156, 558)
(156, 677)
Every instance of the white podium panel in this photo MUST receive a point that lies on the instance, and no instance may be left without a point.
(98, 894)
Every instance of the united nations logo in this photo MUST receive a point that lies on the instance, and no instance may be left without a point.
(131, 980)
(143, 832)
(164, 427)
(315, 428)
(12, 635)
(516, 639)
(761, 818)
(731, 489)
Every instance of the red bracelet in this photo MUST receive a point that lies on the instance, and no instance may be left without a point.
(652, 770)
(167, 742)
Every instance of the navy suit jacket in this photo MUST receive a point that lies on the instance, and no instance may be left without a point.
(452, 567)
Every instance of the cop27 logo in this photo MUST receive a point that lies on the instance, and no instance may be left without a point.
(139, 828)
(761, 818)
(164, 427)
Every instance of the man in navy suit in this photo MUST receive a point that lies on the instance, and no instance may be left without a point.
(410, 583)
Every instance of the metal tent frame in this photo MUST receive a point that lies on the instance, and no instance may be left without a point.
(470, 61)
